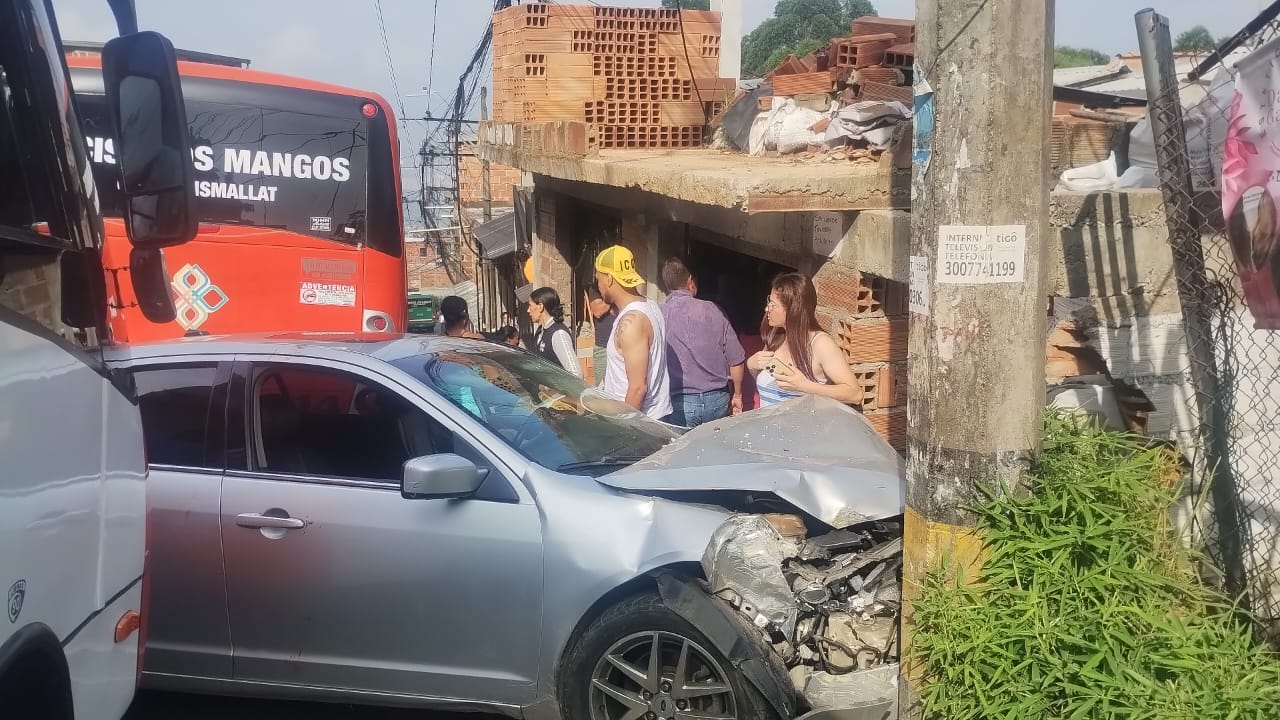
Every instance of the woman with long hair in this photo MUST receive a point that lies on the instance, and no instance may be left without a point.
(551, 339)
(799, 356)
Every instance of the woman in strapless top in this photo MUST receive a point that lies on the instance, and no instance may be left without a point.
(799, 357)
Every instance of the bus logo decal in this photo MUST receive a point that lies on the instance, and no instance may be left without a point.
(197, 296)
(17, 593)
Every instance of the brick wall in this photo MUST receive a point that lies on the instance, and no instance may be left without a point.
(30, 286)
(551, 253)
(426, 271)
(868, 317)
(502, 178)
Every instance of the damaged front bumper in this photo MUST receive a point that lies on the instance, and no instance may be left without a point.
(820, 615)
(826, 608)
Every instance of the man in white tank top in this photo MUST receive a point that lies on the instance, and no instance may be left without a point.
(636, 354)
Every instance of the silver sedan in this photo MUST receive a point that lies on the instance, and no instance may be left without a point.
(454, 524)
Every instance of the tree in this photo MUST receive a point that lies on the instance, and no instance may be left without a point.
(797, 28)
(1065, 56)
(854, 9)
(1197, 39)
(687, 4)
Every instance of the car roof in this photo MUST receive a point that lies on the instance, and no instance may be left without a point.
(351, 346)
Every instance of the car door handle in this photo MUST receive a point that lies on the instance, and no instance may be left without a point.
(257, 520)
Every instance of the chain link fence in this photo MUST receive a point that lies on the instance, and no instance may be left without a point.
(1234, 367)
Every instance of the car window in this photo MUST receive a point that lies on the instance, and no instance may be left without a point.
(321, 422)
(545, 413)
(175, 414)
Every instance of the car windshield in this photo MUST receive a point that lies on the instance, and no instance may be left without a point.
(546, 414)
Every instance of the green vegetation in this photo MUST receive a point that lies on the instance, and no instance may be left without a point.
(1065, 56)
(687, 4)
(1086, 605)
(798, 27)
(1197, 39)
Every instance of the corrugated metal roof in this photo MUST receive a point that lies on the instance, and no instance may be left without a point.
(1134, 84)
(498, 236)
(1068, 77)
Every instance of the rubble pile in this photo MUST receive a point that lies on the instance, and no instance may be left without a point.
(853, 94)
(829, 605)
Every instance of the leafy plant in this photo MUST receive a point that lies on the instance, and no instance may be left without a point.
(1086, 605)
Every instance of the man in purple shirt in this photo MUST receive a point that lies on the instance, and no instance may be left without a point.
(704, 358)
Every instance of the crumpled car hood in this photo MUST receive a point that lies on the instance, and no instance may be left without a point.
(817, 454)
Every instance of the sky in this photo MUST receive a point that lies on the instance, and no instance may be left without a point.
(340, 41)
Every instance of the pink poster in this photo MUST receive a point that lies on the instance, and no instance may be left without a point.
(1251, 183)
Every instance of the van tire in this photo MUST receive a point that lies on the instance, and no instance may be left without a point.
(34, 679)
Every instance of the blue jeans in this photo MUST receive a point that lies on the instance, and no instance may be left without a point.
(693, 409)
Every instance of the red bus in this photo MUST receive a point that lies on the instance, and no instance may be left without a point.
(298, 196)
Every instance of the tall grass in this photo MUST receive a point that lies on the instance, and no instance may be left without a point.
(1087, 606)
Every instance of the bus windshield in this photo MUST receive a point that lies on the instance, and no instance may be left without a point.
(265, 167)
(297, 191)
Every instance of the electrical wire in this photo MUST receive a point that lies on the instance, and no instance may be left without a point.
(431, 59)
(684, 40)
(391, 68)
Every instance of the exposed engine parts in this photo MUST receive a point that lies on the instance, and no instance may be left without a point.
(829, 605)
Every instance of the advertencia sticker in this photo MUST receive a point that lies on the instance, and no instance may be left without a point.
(311, 293)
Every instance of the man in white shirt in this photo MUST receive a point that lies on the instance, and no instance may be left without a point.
(636, 356)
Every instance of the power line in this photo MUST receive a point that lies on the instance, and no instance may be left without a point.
(684, 40)
(391, 68)
(431, 59)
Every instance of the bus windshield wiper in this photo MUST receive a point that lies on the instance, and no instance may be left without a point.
(244, 223)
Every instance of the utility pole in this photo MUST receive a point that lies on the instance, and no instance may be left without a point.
(483, 274)
(980, 200)
(486, 192)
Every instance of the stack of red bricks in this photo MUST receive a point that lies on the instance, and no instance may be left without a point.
(647, 77)
(868, 316)
(875, 61)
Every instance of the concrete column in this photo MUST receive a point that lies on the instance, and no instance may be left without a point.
(551, 264)
(980, 226)
(640, 236)
(730, 37)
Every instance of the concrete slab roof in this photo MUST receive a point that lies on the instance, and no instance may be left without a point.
(730, 179)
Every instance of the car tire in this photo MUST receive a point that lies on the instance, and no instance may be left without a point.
(607, 675)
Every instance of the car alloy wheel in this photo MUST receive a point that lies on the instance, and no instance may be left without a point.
(660, 676)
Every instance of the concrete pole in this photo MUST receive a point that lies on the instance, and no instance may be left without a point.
(730, 37)
(980, 200)
(486, 192)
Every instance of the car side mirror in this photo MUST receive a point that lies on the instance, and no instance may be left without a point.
(153, 149)
(441, 476)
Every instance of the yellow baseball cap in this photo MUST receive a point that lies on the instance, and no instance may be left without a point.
(618, 262)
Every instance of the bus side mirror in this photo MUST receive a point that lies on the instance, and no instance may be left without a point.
(153, 151)
(151, 285)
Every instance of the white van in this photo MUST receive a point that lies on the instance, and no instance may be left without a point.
(72, 470)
